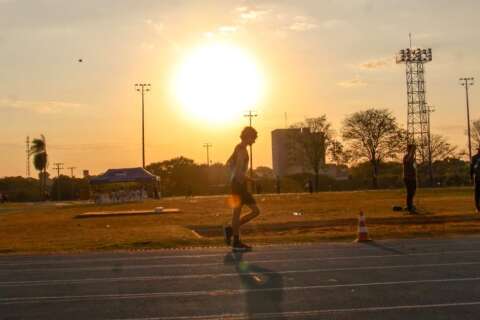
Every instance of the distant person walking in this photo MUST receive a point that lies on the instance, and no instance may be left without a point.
(475, 176)
(238, 165)
(410, 176)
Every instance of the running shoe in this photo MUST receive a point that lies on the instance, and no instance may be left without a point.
(241, 247)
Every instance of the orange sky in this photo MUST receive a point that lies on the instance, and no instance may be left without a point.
(318, 57)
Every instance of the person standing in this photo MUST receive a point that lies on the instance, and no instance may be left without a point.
(240, 196)
(475, 176)
(410, 176)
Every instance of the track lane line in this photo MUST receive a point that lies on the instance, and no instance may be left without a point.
(312, 313)
(217, 293)
(186, 265)
(262, 251)
(222, 275)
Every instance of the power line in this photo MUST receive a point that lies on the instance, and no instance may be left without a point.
(71, 170)
(468, 82)
(208, 146)
(143, 87)
(58, 166)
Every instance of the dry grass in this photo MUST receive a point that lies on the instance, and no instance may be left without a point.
(327, 216)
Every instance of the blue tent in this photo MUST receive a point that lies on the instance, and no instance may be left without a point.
(125, 175)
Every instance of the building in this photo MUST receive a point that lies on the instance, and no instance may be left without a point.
(288, 155)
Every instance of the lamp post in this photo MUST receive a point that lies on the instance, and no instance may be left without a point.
(143, 87)
(466, 82)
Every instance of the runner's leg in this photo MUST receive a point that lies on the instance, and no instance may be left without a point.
(254, 212)
(236, 220)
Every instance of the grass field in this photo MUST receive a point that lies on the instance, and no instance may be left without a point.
(50, 227)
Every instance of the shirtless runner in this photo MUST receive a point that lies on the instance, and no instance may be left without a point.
(240, 196)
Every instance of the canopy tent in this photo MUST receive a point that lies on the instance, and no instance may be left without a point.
(139, 175)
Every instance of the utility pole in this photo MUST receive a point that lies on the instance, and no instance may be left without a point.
(58, 166)
(72, 182)
(28, 156)
(250, 115)
(143, 87)
(208, 146)
(71, 171)
(468, 82)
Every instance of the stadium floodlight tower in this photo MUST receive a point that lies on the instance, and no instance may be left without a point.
(418, 115)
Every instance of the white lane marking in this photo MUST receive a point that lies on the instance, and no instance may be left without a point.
(216, 293)
(311, 313)
(280, 249)
(212, 264)
(220, 275)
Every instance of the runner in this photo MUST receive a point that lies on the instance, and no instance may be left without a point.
(475, 176)
(238, 164)
(410, 176)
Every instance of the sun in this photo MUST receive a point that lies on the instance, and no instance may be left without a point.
(218, 82)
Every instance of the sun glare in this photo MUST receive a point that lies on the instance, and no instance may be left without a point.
(218, 82)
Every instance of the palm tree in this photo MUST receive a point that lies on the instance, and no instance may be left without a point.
(40, 161)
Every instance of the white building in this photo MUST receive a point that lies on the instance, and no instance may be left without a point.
(289, 158)
(288, 155)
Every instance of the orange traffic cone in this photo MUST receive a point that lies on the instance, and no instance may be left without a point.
(362, 229)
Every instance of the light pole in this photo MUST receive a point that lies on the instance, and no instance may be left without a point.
(58, 166)
(250, 115)
(208, 146)
(430, 109)
(468, 82)
(143, 87)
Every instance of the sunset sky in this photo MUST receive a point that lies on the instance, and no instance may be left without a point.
(314, 57)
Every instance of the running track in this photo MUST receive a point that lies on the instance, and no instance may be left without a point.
(407, 279)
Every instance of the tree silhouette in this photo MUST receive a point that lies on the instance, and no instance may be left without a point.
(40, 161)
(314, 139)
(374, 135)
(441, 148)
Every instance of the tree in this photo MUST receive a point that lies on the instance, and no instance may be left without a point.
(374, 135)
(264, 172)
(337, 153)
(40, 161)
(314, 139)
(441, 148)
(475, 133)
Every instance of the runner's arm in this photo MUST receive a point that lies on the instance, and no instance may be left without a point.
(240, 175)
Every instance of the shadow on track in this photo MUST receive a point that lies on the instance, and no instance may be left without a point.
(259, 282)
(382, 247)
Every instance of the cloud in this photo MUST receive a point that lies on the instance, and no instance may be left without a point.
(157, 27)
(333, 24)
(221, 31)
(95, 147)
(249, 14)
(357, 82)
(147, 46)
(227, 29)
(42, 107)
(377, 64)
(302, 23)
(452, 128)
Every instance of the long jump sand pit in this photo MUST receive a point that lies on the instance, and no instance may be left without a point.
(101, 214)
